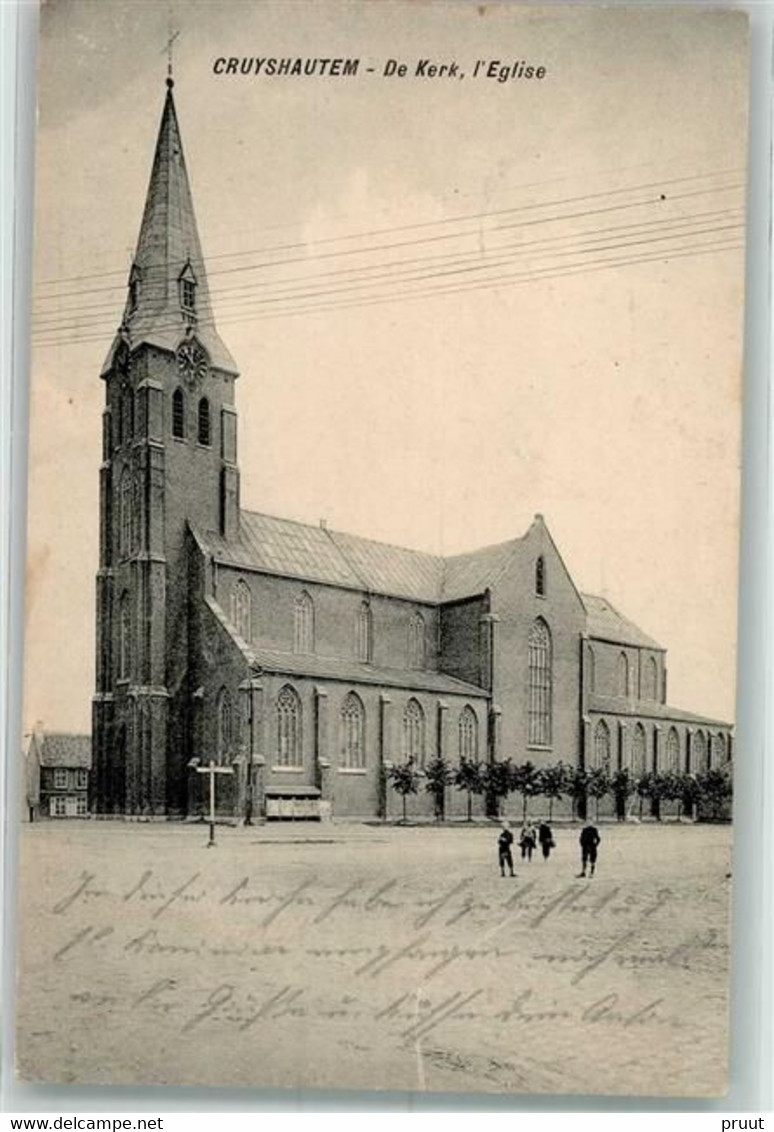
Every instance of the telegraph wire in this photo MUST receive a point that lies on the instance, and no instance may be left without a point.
(428, 223)
(291, 291)
(477, 233)
(50, 318)
(548, 273)
(664, 257)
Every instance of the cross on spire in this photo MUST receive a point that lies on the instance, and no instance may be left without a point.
(171, 37)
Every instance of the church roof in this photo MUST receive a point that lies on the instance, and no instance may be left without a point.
(614, 705)
(353, 672)
(607, 624)
(168, 246)
(476, 571)
(318, 554)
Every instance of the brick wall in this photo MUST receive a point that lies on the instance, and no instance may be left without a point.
(517, 605)
(607, 669)
(336, 613)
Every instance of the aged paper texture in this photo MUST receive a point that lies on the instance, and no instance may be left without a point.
(384, 503)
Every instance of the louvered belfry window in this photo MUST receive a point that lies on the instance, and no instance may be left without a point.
(205, 430)
(178, 414)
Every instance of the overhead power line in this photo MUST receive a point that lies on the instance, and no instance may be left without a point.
(653, 198)
(425, 223)
(228, 295)
(283, 291)
(590, 267)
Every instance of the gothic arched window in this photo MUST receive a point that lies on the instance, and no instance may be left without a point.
(205, 430)
(623, 674)
(364, 633)
(468, 734)
(124, 638)
(242, 609)
(540, 576)
(651, 679)
(225, 726)
(289, 750)
(699, 760)
(414, 732)
(602, 746)
(125, 513)
(592, 669)
(673, 751)
(303, 623)
(639, 751)
(540, 684)
(417, 641)
(178, 414)
(353, 732)
(718, 753)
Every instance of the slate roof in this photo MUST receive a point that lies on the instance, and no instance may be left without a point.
(607, 624)
(472, 573)
(318, 554)
(352, 671)
(58, 748)
(613, 705)
(168, 242)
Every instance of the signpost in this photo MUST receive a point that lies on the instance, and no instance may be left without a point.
(212, 769)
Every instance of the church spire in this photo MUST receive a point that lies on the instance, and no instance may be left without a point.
(168, 292)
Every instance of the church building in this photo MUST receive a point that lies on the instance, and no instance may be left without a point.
(306, 659)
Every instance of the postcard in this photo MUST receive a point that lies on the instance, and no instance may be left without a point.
(383, 531)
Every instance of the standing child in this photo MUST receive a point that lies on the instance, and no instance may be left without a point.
(504, 842)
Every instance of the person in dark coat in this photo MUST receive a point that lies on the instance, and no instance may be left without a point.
(589, 840)
(504, 842)
(546, 839)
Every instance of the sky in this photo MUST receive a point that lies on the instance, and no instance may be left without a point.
(454, 302)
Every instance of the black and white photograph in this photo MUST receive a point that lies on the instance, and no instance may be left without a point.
(382, 552)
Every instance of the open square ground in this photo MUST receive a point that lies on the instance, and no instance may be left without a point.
(374, 957)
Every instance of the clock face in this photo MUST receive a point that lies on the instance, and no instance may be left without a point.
(192, 362)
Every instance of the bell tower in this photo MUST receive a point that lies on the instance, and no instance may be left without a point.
(169, 459)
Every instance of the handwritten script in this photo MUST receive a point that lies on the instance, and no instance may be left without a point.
(298, 972)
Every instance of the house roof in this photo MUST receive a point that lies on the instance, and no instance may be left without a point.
(605, 622)
(61, 749)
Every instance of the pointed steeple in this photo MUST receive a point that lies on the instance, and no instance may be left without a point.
(168, 292)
